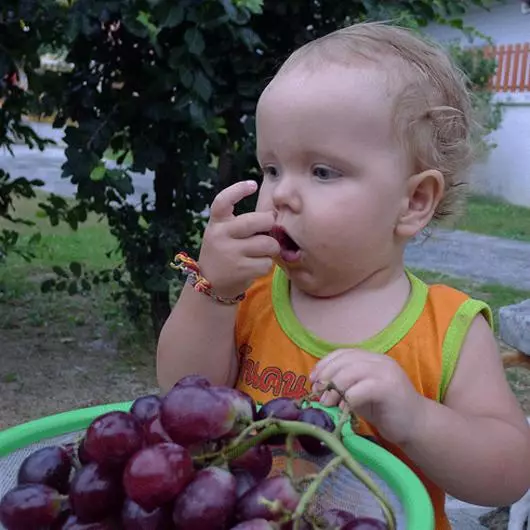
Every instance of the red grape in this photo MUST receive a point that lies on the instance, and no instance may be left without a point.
(82, 455)
(193, 380)
(244, 482)
(95, 493)
(278, 490)
(194, 414)
(156, 474)
(154, 433)
(50, 466)
(112, 438)
(257, 460)
(335, 518)
(207, 502)
(243, 405)
(282, 409)
(251, 402)
(134, 517)
(254, 524)
(146, 408)
(321, 419)
(30, 507)
(365, 523)
(73, 523)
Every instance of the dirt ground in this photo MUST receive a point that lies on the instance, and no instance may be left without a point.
(58, 362)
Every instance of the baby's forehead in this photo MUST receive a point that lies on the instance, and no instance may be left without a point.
(360, 83)
(335, 100)
(386, 76)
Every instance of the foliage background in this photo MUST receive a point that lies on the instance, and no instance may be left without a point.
(168, 88)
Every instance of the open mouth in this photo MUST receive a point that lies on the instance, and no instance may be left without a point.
(289, 248)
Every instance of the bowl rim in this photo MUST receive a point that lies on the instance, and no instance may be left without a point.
(405, 484)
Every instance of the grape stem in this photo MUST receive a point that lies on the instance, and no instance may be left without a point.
(296, 428)
(344, 417)
(347, 412)
(237, 442)
(289, 447)
(311, 491)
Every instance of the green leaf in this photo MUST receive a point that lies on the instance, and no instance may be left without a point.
(72, 288)
(202, 86)
(60, 271)
(145, 19)
(86, 285)
(230, 9)
(98, 173)
(47, 285)
(61, 286)
(197, 114)
(175, 57)
(35, 238)
(76, 269)
(186, 76)
(194, 40)
(174, 17)
(254, 6)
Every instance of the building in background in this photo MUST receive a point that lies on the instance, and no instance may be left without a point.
(505, 172)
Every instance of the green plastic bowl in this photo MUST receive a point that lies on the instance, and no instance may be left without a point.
(399, 478)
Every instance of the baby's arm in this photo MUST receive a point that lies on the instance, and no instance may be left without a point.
(198, 337)
(476, 445)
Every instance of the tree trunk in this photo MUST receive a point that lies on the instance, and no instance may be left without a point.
(160, 310)
(166, 190)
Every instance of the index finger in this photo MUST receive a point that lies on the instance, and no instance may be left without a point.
(223, 204)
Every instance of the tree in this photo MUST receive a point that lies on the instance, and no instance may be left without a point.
(171, 87)
(24, 26)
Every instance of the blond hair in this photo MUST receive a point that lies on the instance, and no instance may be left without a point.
(433, 109)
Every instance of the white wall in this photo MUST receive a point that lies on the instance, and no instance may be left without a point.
(506, 171)
(504, 23)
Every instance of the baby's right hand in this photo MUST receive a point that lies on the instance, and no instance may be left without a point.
(236, 250)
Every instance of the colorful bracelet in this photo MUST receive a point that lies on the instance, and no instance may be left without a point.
(182, 262)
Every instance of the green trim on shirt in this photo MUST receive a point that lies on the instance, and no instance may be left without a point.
(380, 343)
(455, 336)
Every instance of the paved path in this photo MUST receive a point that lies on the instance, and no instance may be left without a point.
(460, 254)
(46, 166)
(482, 258)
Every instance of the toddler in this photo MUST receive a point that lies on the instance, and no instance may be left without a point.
(364, 139)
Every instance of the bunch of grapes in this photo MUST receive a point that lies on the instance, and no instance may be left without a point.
(199, 458)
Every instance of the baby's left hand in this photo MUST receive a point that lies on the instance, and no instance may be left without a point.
(375, 387)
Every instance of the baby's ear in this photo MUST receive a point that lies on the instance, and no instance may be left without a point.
(423, 194)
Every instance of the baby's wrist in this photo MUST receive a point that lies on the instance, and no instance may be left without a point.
(415, 429)
(191, 269)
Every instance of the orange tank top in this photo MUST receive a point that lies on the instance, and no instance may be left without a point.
(277, 354)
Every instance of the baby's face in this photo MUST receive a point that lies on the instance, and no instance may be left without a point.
(333, 171)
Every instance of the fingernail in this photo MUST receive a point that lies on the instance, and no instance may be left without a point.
(324, 397)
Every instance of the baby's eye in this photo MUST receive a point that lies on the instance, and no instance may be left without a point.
(270, 171)
(325, 173)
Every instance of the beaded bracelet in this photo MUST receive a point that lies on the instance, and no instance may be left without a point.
(182, 262)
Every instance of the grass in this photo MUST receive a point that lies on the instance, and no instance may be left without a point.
(495, 295)
(60, 245)
(490, 216)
